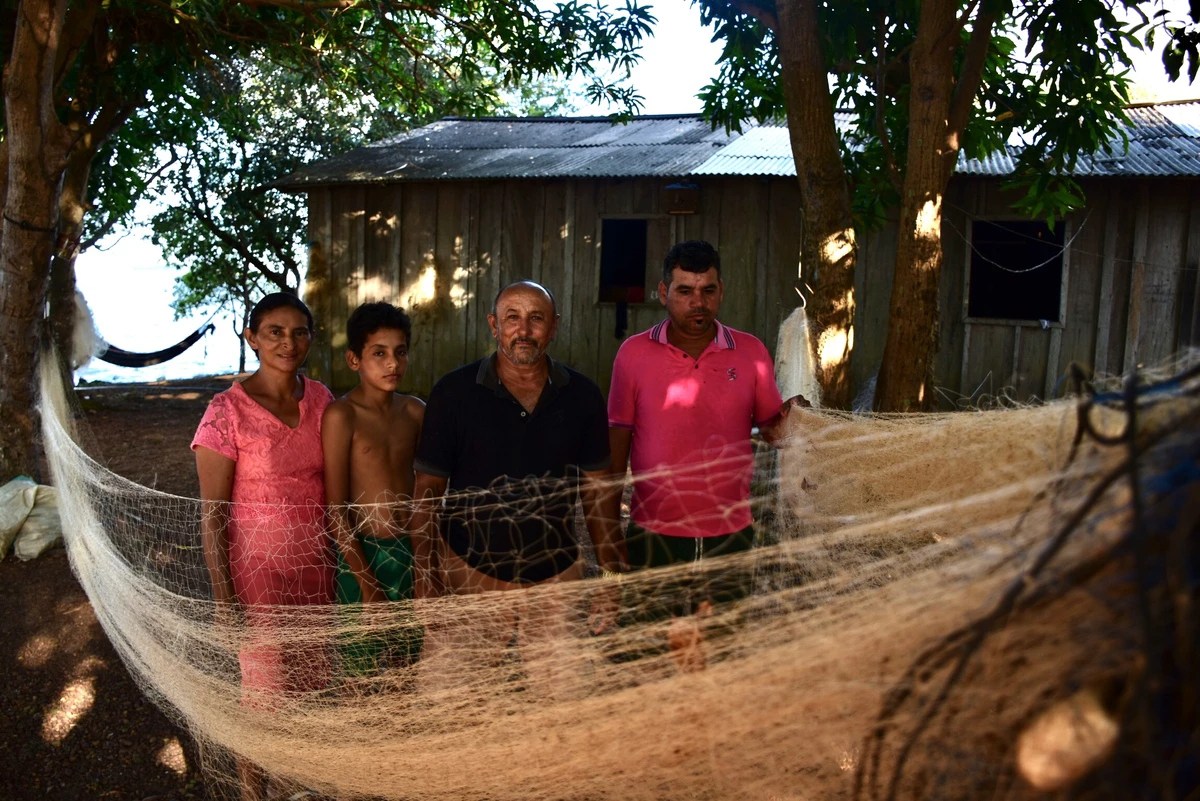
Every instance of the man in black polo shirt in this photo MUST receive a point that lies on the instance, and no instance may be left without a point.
(509, 446)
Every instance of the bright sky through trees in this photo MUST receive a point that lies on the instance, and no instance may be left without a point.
(129, 289)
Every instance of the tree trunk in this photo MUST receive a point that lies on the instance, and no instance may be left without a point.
(61, 300)
(37, 148)
(829, 247)
(912, 337)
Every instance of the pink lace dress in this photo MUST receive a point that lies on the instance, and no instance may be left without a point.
(280, 554)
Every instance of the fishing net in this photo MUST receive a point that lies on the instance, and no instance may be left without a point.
(987, 604)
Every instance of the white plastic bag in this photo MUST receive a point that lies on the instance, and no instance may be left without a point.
(29, 521)
(42, 528)
(16, 501)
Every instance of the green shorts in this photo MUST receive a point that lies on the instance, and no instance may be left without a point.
(390, 560)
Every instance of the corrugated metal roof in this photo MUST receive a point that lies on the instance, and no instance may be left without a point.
(766, 150)
(1164, 140)
(547, 147)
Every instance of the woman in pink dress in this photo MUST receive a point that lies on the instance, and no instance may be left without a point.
(261, 471)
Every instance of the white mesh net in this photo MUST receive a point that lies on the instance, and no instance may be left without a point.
(928, 591)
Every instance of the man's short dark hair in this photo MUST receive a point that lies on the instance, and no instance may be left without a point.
(693, 256)
(369, 318)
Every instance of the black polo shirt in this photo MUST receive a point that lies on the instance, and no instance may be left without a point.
(513, 476)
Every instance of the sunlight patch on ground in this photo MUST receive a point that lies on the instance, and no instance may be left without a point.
(174, 396)
(171, 756)
(36, 651)
(74, 702)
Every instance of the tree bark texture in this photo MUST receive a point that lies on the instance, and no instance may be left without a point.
(37, 148)
(905, 375)
(829, 249)
(71, 208)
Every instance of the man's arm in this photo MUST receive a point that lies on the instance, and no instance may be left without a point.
(610, 489)
(425, 535)
(603, 518)
(337, 436)
(775, 430)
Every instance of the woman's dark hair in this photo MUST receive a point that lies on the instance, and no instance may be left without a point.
(278, 300)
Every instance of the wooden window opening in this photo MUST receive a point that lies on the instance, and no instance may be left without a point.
(1016, 272)
(623, 259)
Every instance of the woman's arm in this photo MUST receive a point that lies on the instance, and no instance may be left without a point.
(216, 489)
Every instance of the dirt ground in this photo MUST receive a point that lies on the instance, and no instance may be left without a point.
(74, 725)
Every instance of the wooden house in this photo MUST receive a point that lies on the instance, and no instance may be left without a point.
(439, 219)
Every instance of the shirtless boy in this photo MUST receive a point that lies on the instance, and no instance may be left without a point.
(369, 437)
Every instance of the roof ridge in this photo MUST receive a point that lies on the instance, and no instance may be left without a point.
(608, 118)
(1152, 103)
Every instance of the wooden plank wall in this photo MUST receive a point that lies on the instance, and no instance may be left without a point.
(1124, 267)
(443, 249)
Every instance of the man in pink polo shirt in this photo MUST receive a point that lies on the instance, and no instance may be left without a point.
(685, 396)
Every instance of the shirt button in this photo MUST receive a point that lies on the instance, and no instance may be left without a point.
(523, 414)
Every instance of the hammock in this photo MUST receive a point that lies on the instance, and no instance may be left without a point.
(125, 358)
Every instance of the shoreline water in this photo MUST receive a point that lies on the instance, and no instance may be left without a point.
(97, 373)
(201, 381)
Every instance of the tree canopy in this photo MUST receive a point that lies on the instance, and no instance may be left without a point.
(77, 73)
(881, 98)
(218, 220)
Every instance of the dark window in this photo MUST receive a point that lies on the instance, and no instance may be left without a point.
(1016, 270)
(623, 261)
(1189, 307)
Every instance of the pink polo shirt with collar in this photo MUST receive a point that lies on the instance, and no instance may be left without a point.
(691, 455)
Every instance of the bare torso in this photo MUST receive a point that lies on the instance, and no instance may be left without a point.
(382, 447)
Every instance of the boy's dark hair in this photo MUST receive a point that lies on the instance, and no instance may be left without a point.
(693, 256)
(369, 318)
(277, 300)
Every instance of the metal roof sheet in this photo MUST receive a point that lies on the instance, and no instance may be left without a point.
(1164, 140)
(766, 150)
(547, 147)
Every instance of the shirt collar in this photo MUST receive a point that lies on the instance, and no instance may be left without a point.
(722, 341)
(487, 376)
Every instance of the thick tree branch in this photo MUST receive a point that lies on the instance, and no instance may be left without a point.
(203, 215)
(106, 228)
(881, 131)
(970, 74)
